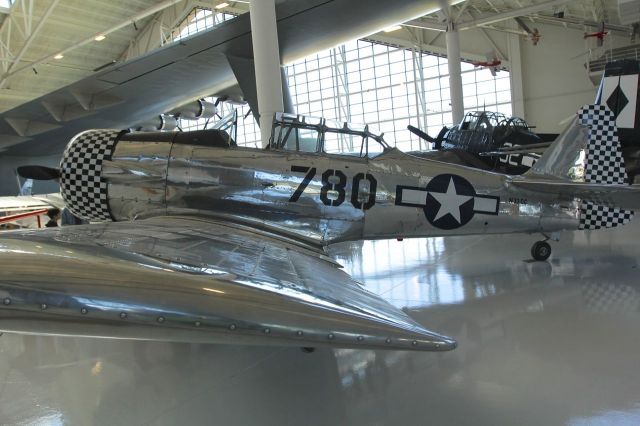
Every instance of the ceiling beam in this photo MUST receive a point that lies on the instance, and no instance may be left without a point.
(27, 43)
(424, 24)
(583, 23)
(150, 11)
(493, 18)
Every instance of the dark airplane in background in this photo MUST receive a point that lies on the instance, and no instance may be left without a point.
(486, 140)
(491, 141)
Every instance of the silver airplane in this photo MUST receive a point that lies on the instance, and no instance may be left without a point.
(206, 241)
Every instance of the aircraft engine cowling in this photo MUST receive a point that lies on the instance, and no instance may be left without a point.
(115, 175)
(121, 175)
(81, 184)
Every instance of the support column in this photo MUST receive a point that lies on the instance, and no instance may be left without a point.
(455, 78)
(266, 55)
(515, 74)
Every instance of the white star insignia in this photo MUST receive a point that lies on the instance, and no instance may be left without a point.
(450, 202)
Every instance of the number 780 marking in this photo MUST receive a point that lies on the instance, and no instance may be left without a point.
(310, 173)
(339, 187)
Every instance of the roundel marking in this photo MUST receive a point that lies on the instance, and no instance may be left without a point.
(449, 201)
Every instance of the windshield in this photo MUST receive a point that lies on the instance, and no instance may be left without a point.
(313, 134)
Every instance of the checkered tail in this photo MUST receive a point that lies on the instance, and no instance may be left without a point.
(603, 164)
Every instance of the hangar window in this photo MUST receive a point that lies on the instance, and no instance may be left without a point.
(390, 87)
(386, 87)
(199, 19)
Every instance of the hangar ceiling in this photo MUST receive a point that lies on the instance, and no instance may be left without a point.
(34, 34)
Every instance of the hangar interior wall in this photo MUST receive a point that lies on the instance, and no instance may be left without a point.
(553, 77)
(555, 80)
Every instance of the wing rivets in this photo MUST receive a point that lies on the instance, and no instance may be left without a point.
(360, 338)
(299, 333)
(331, 336)
(43, 306)
(160, 320)
(267, 331)
(388, 341)
(84, 311)
(6, 301)
(232, 327)
(197, 323)
(123, 315)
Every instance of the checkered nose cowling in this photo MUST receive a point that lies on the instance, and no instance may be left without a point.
(83, 189)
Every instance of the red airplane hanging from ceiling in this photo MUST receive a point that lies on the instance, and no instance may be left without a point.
(492, 63)
(599, 35)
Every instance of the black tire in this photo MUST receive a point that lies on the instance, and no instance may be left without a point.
(541, 250)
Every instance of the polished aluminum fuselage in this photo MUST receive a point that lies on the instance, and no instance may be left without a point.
(257, 186)
(231, 248)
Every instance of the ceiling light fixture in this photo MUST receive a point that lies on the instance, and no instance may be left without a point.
(100, 37)
(391, 29)
(58, 56)
(222, 5)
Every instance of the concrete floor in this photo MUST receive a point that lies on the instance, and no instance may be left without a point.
(546, 343)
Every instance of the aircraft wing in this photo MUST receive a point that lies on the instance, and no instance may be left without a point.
(214, 62)
(620, 196)
(30, 202)
(457, 156)
(192, 280)
(534, 148)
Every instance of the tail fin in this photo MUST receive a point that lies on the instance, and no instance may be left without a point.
(594, 128)
(562, 159)
(620, 91)
(603, 164)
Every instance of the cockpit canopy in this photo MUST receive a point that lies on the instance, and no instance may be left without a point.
(314, 134)
(488, 120)
(477, 120)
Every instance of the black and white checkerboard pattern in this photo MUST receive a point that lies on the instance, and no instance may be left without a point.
(610, 298)
(82, 187)
(604, 164)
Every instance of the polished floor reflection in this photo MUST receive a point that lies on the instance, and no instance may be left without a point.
(540, 343)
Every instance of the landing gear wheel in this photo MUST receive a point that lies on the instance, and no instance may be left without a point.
(541, 250)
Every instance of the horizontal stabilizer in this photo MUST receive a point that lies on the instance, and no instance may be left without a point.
(514, 152)
(537, 148)
(618, 196)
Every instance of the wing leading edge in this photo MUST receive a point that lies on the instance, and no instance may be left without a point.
(184, 279)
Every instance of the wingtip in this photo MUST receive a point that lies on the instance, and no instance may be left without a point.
(443, 344)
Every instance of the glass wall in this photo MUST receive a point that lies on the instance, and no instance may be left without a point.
(386, 87)
(199, 19)
(389, 88)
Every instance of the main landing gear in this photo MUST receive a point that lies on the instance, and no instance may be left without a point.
(541, 250)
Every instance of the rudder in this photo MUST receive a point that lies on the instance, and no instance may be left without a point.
(604, 164)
